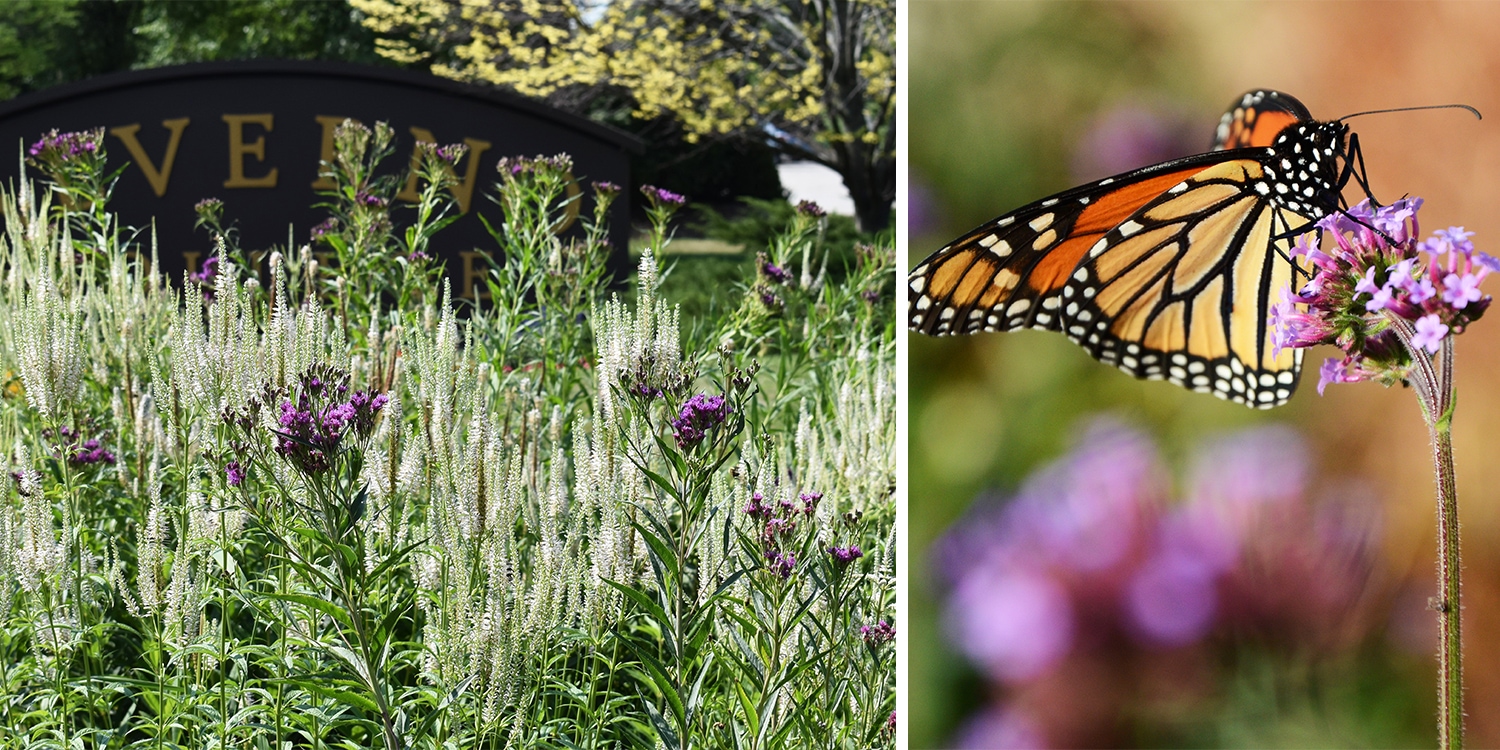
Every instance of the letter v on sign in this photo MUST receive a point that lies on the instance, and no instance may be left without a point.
(158, 179)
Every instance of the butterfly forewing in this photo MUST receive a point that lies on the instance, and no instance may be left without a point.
(1167, 272)
(1255, 119)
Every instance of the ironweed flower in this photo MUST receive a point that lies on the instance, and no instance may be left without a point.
(810, 502)
(58, 148)
(757, 508)
(209, 209)
(541, 166)
(82, 452)
(661, 198)
(1376, 277)
(700, 414)
(878, 634)
(329, 226)
(811, 209)
(845, 555)
(234, 473)
(770, 271)
(607, 190)
(782, 564)
(313, 427)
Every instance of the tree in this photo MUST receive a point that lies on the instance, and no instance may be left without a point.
(40, 39)
(816, 78)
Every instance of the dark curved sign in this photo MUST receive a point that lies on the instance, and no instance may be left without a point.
(252, 133)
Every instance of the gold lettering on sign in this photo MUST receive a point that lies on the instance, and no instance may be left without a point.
(475, 270)
(330, 124)
(463, 190)
(158, 179)
(238, 150)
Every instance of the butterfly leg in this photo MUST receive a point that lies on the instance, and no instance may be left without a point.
(1360, 175)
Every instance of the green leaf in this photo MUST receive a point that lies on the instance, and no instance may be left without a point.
(338, 613)
(659, 548)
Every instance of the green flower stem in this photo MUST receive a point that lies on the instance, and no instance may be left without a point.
(1435, 393)
(1450, 610)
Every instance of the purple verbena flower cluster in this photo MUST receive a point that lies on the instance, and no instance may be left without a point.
(1375, 277)
(313, 428)
(877, 635)
(700, 414)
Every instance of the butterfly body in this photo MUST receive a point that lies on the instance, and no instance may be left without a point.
(1167, 272)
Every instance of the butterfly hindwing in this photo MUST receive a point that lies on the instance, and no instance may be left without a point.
(1176, 291)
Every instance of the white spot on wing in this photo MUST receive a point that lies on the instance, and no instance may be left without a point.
(1041, 222)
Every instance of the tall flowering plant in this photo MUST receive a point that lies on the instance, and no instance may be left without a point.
(1394, 306)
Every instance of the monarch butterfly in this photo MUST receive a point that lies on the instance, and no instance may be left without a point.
(1167, 272)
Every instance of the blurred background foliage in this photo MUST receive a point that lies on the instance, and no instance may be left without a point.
(1012, 101)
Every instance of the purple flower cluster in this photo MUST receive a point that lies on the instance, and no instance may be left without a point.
(518, 166)
(312, 428)
(782, 563)
(662, 198)
(207, 272)
(234, 473)
(809, 208)
(59, 147)
(1091, 560)
(606, 190)
(1376, 277)
(771, 272)
(877, 635)
(81, 451)
(700, 414)
(329, 226)
(779, 528)
(208, 208)
(449, 154)
(842, 556)
(370, 201)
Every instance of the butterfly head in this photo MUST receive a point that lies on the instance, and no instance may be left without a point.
(1302, 173)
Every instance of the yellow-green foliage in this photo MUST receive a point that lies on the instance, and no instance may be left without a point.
(716, 67)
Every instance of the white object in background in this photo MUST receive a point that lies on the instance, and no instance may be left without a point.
(811, 181)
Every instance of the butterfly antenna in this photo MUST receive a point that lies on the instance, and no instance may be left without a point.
(1471, 110)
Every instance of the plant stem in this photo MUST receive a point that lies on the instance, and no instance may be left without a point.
(1450, 610)
(1434, 387)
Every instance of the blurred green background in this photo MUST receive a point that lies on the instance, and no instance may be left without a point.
(1011, 101)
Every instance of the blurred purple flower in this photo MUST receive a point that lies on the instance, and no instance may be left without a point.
(921, 208)
(1130, 136)
(1014, 622)
(999, 729)
(1171, 598)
